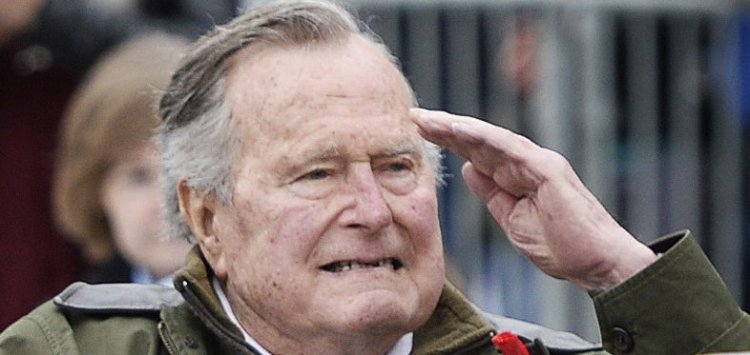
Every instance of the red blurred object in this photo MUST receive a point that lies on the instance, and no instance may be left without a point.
(509, 344)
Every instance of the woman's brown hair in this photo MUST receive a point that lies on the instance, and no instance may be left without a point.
(112, 112)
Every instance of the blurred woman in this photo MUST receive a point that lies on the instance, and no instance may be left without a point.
(106, 193)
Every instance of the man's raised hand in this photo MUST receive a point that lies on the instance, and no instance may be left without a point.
(537, 198)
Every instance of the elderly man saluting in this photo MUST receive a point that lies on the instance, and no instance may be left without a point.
(295, 158)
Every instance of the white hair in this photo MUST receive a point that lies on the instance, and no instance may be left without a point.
(196, 138)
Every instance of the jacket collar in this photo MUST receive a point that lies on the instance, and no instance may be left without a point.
(195, 278)
(455, 324)
(194, 283)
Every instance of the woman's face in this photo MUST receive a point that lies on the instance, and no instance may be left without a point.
(131, 201)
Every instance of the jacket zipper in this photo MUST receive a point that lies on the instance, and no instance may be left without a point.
(165, 339)
(470, 348)
(202, 312)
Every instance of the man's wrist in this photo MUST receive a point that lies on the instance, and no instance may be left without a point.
(630, 261)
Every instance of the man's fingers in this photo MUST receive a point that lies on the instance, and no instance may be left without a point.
(451, 130)
(498, 201)
(479, 183)
(421, 115)
(495, 152)
(437, 127)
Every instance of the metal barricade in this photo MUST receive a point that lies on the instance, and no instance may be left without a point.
(634, 93)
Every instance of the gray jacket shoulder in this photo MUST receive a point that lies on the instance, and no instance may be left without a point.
(117, 298)
(79, 319)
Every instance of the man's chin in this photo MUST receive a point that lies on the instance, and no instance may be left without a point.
(380, 312)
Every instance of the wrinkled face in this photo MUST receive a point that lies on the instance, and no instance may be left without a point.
(333, 228)
(130, 199)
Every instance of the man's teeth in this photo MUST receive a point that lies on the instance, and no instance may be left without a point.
(340, 266)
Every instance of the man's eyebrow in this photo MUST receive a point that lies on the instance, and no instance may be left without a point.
(328, 152)
(404, 148)
(331, 151)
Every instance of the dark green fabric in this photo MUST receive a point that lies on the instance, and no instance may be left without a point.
(467, 326)
(197, 275)
(48, 330)
(678, 305)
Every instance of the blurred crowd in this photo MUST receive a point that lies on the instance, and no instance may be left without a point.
(77, 172)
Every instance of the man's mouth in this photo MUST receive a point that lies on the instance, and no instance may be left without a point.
(348, 265)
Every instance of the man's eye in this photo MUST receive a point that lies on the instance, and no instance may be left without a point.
(398, 167)
(317, 174)
(316, 183)
(399, 176)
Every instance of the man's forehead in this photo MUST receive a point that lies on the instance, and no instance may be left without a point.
(327, 76)
(394, 142)
(338, 107)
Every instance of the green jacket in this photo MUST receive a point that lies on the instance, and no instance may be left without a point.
(676, 306)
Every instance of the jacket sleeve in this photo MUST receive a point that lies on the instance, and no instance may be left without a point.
(44, 331)
(678, 305)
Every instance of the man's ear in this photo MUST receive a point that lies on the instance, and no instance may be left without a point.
(199, 210)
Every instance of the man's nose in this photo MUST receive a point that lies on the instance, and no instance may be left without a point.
(369, 208)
